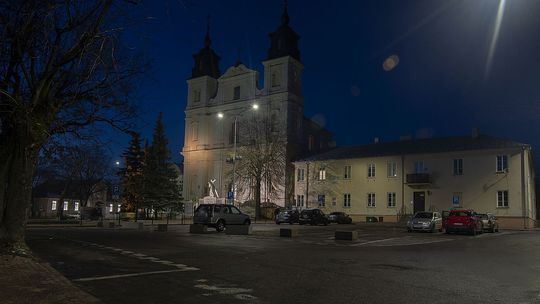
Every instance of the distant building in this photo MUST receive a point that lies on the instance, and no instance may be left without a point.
(48, 198)
(209, 141)
(388, 181)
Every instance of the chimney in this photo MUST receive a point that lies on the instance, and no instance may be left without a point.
(376, 140)
(475, 132)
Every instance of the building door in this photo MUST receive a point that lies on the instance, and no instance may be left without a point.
(419, 201)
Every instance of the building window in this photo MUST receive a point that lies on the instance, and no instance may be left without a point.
(300, 200)
(321, 199)
(456, 199)
(347, 172)
(419, 166)
(392, 169)
(458, 166)
(311, 142)
(76, 206)
(196, 95)
(275, 80)
(502, 199)
(347, 200)
(300, 175)
(502, 163)
(236, 95)
(322, 174)
(371, 199)
(391, 199)
(53, 205)
(371, 170)
(119, 207)
(195, 130)
(110, 208)
(66, 205)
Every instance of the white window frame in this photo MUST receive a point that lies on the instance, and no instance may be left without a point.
(391, 169)
(54, 205)
(300, 175)
(66, 205)
(322, 174)
(76, 207)
(347, 172)
(371, 170)
(110, 208)
(458, 166)
(502, 199)
(502, 163)
(346, 200)
(371, 200)
(391, 199)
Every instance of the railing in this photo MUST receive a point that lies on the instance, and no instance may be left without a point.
(419, 178)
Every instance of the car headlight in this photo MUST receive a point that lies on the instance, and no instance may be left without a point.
(425, 224)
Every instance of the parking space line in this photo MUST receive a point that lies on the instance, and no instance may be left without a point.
(131, 275)
(376, 241)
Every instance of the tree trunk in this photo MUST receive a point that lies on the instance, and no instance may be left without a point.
(17, 166)
(258, 198)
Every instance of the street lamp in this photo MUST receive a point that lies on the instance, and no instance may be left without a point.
(235, 157)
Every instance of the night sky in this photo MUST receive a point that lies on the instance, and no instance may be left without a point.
(444, 83)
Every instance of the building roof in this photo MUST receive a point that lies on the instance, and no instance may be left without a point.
(206, 60)
(284, 40)
(417, 146)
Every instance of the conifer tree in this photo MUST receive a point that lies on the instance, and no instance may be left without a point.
(160, 187)
(132, 174)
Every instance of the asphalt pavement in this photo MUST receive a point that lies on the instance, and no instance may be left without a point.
(385, 265)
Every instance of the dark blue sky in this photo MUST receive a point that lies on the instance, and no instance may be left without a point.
(441, 86)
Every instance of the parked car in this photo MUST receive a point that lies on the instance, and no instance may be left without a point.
(219, 216)
(425, 221)
(340, 218)
(489, 222)
(313, 217)
(465, 220)
(287, 216)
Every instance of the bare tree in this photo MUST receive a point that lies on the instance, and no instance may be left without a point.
(62, 69)
(263, 159)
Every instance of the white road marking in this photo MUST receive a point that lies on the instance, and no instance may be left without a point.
(223, 290)
(139, 255)
(132, 275)
(375, 241)
(126, 252)
(164, 262)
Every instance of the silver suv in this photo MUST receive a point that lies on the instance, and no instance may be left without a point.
(220, 215)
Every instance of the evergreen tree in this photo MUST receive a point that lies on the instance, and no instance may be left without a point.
(132, 174)
(160, 187)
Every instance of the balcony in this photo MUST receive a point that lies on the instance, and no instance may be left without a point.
(418, 179)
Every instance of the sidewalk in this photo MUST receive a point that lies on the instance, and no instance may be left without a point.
(27, 280)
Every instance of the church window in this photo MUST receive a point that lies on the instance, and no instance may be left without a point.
(275, 80)
(195, 131)
(196, 95)
(236, 94)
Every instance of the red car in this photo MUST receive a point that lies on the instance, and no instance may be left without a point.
(465, 220)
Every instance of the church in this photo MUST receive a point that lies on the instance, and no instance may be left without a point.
(220, 106)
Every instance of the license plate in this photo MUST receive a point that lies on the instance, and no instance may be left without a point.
(458, 224)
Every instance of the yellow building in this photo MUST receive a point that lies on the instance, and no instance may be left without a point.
(390, 181)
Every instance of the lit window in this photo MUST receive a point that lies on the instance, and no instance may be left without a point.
(371, 170)
(119, 207)
(110, 207)
(76, 206)
(502, 163)
(53, 205)
(322, 174)
(347, 200)
(66, 205)
(392, 169)
(321, 200)
(347, 172)
(391, 199)
(502, 199)
(371, 200)
(458, 166)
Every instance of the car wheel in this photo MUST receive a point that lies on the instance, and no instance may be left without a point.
(492, 230)
(247, 222)
(409, 230)
(220, 226)
(325, 223)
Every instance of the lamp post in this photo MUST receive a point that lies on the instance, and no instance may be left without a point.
(235, 139)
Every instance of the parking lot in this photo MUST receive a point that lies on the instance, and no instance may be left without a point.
(385, 264)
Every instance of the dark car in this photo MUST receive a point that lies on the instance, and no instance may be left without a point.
(220, 215)
(287, 216)
(489, 222)
(340, 218)
(463, 221)
(313, 217)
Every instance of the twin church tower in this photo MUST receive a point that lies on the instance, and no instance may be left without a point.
(211, 140)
